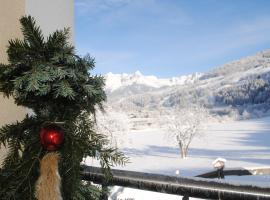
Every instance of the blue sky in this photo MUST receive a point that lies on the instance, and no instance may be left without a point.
(170, 37)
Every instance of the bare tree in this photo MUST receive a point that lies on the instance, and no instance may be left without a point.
(113, 124)
(185, 123)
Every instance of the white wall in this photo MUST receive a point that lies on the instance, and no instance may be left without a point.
(52, 14)
(10, 13)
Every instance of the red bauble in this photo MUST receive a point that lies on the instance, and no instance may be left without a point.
(51, 137)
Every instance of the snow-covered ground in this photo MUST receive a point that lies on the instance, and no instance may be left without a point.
(241, 143)
(119, 193)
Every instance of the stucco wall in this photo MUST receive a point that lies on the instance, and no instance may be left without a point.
(10, 13)
(52, 14)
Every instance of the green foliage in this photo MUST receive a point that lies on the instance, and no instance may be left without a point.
(87, 191)
(47, 76)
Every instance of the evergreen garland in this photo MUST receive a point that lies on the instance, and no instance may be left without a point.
(46, 76)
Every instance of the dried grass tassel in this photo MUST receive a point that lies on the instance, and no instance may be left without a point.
(49, 182)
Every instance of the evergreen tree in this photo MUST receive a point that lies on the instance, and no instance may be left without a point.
(46, 76)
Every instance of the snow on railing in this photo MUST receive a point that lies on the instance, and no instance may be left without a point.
(187, 187)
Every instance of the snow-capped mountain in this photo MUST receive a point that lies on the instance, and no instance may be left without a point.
(241, 86)
(120, 81)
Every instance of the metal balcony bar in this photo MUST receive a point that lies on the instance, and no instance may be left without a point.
(191, 187)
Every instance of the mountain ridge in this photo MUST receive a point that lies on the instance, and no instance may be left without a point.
(241, 86)
(118, 81)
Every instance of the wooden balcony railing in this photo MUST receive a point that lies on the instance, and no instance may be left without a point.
(186, 187)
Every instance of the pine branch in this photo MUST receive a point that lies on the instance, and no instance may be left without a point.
(18, 51)
(32, 33)
(63, 89)
(57, 41)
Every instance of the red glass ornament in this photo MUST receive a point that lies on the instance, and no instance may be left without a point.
(51, 137)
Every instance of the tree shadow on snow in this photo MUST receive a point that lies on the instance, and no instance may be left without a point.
(258, 139)
(260, 156)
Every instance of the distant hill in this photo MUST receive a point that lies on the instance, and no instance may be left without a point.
(239, 89)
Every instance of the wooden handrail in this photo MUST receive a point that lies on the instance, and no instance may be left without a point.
(192, 187)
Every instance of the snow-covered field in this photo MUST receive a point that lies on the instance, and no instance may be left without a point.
(236, 90)
(241, 143)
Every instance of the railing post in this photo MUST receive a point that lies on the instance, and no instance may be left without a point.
(185, 197)
(220, 173)
(104, 194)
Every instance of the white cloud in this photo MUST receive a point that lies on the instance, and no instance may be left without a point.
(249, 33)
(90, 8)
(257, 25)
(117, 11)
(234, 38)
